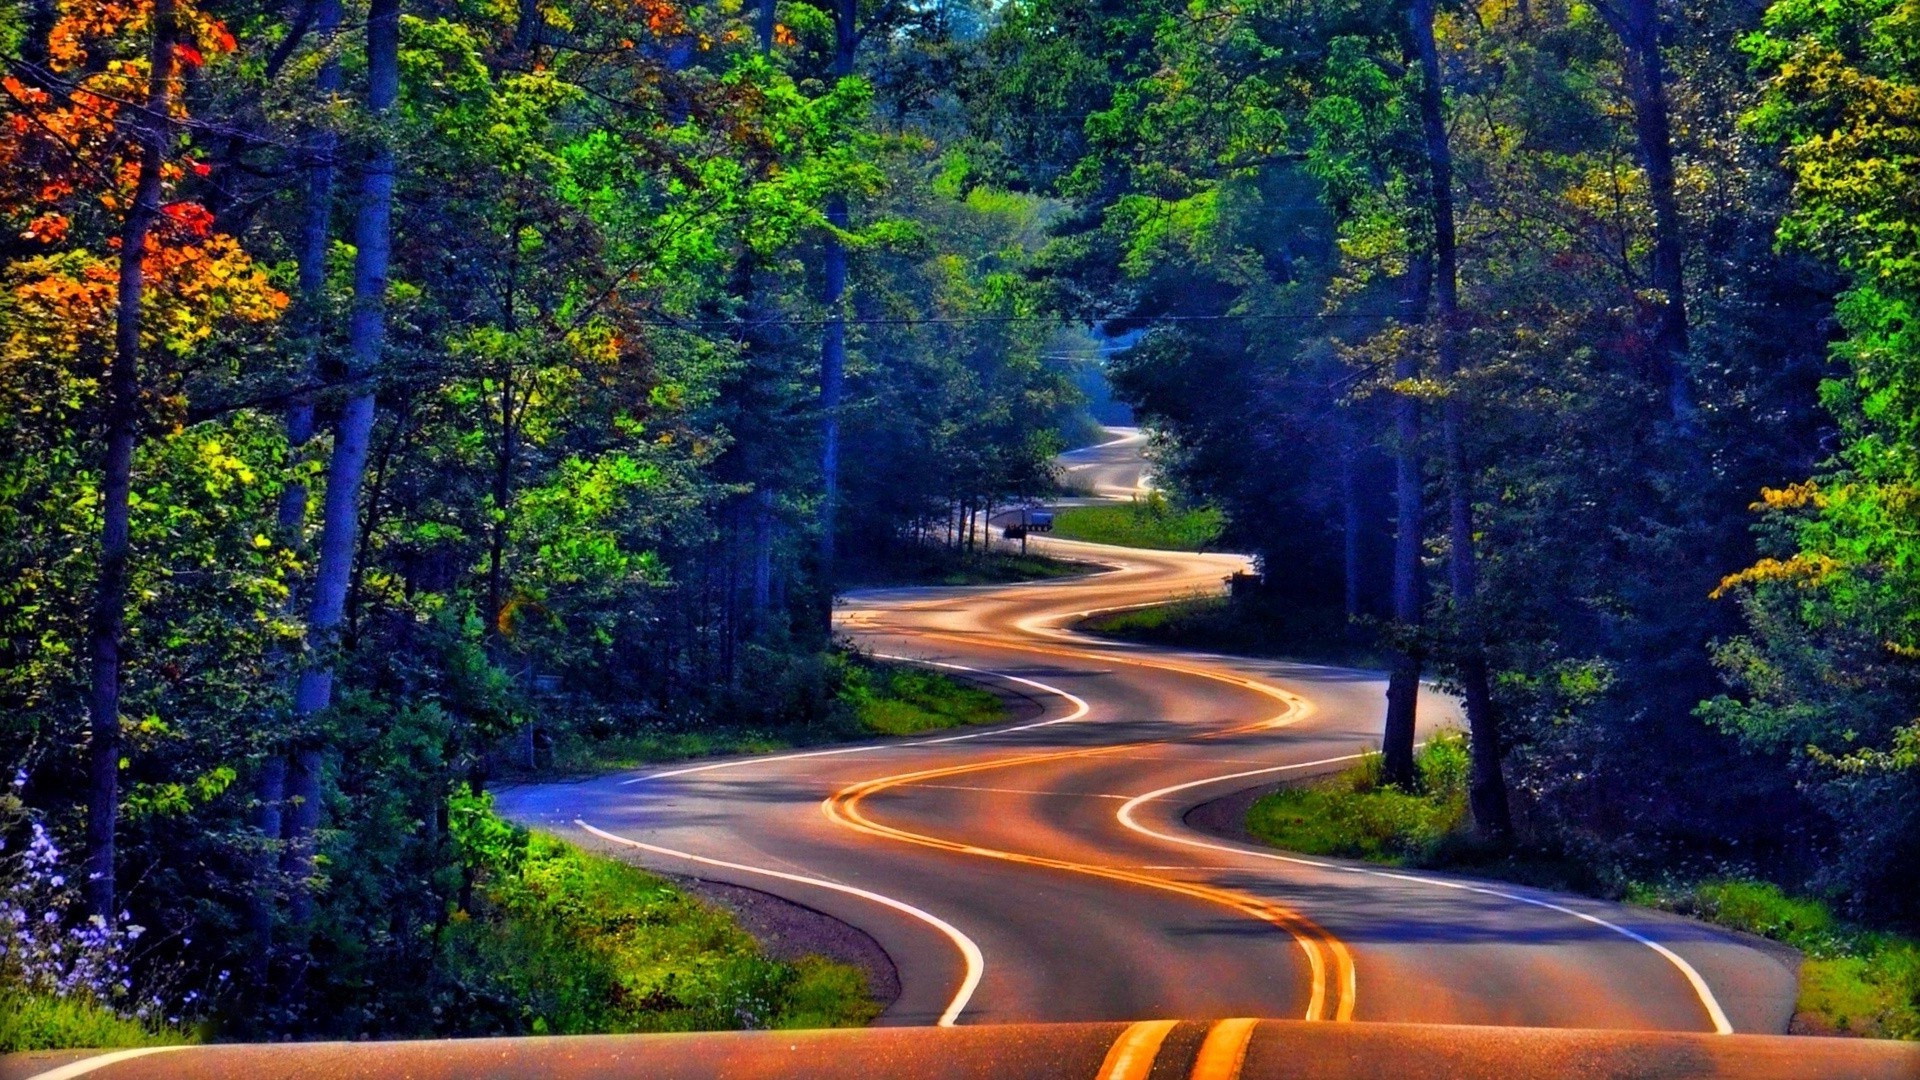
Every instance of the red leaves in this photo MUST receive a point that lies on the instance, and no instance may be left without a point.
(189, 218)
(189, 56)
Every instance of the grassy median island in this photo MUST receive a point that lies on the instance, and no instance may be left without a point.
(1853, 980)
(1152, 522)
(559, 941)
(912, 565)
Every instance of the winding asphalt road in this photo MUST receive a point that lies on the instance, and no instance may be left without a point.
(1042, 871)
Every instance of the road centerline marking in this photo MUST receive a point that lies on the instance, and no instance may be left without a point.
(1329, 961)
(1224, 1053)
(1131, 1055)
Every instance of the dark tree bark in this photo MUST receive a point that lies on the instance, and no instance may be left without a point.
(1403, 682)
(151, 130)
(1637, 23)
(311, 258)
(833, 338)
(366, 337)
(1487, 788)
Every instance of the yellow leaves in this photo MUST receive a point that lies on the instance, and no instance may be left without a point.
(1805, 570)
(1803, 495)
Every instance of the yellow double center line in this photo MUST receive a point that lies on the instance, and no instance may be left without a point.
(1328, 959)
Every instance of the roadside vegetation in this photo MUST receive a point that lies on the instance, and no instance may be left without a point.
(1853, 980)
(1151, 522)
(32, 1020)
(554, 940)
(863, 697)
(1315, 633)
(939, 564)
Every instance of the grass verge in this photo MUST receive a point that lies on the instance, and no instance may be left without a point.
(1853, 981)
(933, 564)
(560, 941)
(895, 699)
(30, 1021)
(1245, 628)
(1144, 523)
(862, 697)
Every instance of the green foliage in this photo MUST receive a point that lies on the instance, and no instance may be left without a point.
(1153, 522)
(46, 1022)
(893, 699)
(1852, 981)
(1355, 815)
(562, 942)
(1252, 626)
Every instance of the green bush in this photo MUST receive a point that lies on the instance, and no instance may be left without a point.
(42, 1022)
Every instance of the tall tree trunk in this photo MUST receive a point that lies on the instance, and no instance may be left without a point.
(1637, 23)
(311, 256)
(1403, 683)
(108, 623)
(366, 338)
(1350, 547)
(766, 21)
(1487, 787)
(833, 339)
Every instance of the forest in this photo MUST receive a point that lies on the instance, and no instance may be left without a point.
(400, 395)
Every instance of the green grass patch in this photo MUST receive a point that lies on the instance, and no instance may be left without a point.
(1151, 522)
(1354, 815)
(30, 1021)
(1244, 628)
(559, 941)
(937, 564)
(659, 743)
(1852, 980)
(893, 699)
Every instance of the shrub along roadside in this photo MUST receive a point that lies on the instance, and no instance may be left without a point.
(1852, 980)
(557, 940)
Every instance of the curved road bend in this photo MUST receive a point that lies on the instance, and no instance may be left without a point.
(1042, 870)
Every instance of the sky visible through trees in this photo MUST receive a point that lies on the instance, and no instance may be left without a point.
(396, 393)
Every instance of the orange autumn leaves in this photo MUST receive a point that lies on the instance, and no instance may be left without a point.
(68, 165)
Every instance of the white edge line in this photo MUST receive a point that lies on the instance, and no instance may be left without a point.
(1080, 709)
(975, 961)
(1721, 1025)
(87, 1065)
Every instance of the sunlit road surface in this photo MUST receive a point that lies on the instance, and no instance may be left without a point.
(1112, 470)
(1042, 872)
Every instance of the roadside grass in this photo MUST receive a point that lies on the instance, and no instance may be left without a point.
(560, 941)
(1853, 980)
(1243, 627)
(863, 697)
(895, 699)
(938, 564)
(33, 1021)
(1354, 814)
(1151, 522)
